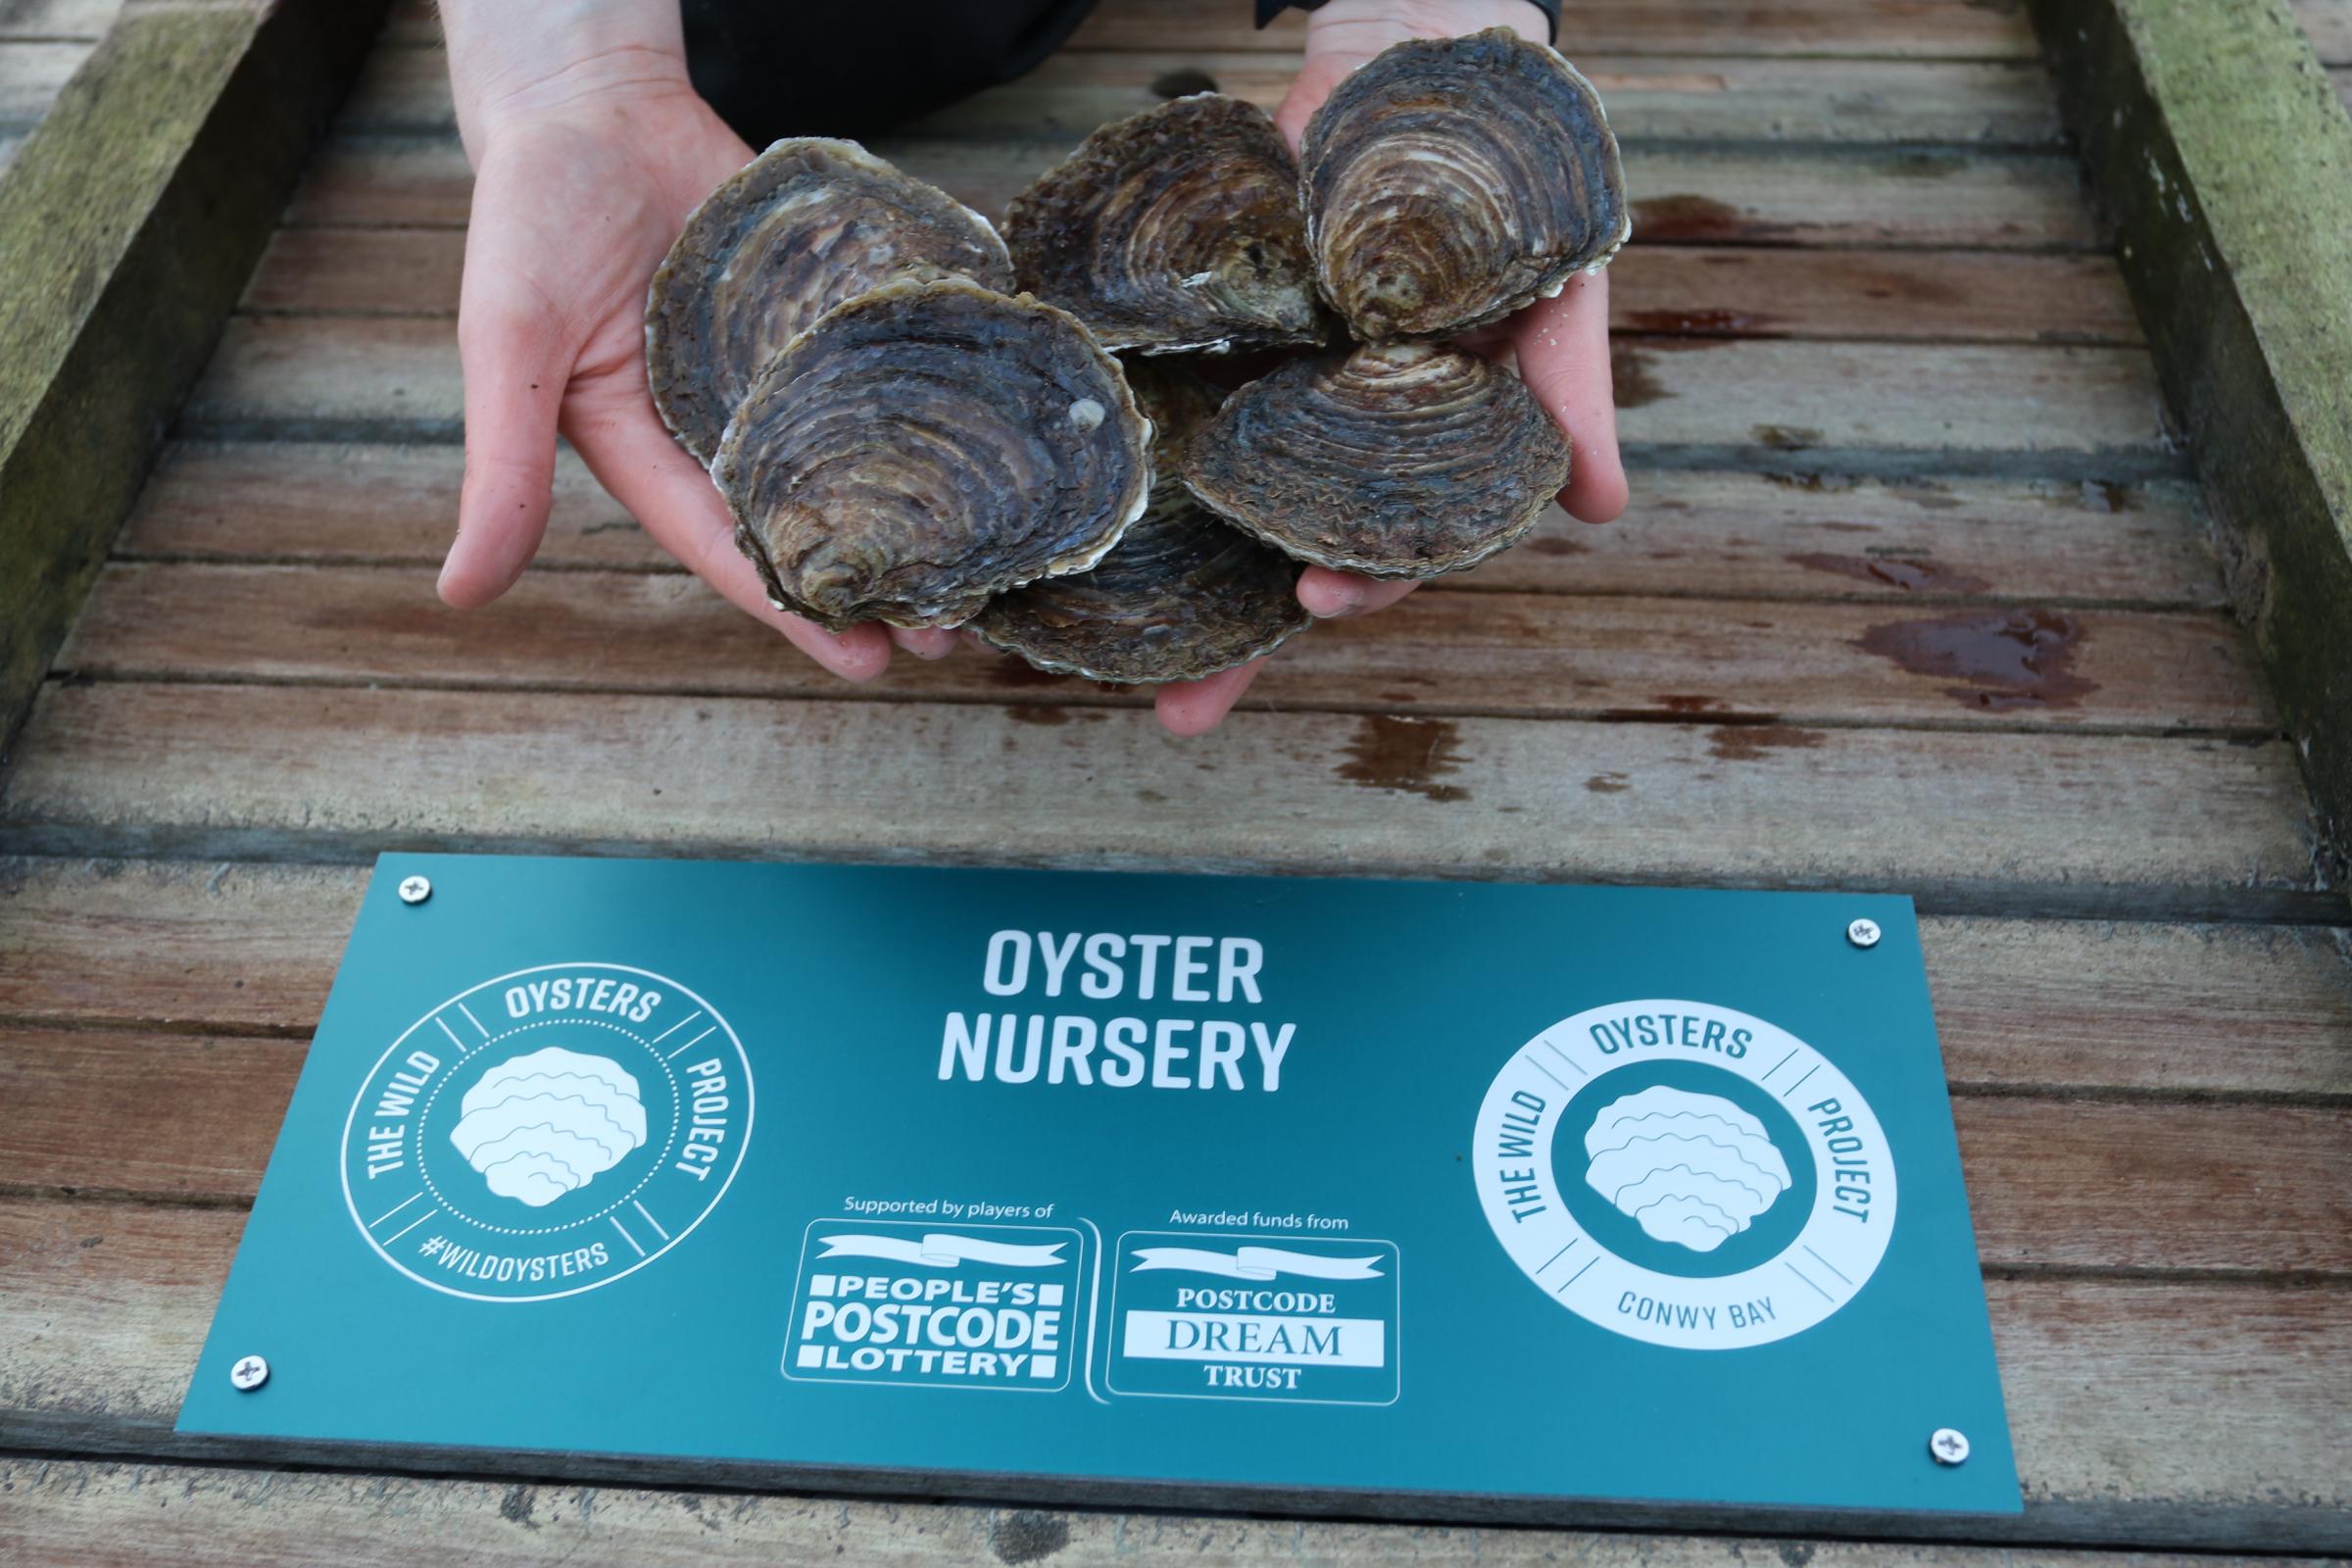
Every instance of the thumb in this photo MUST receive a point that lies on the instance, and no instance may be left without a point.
(517, 358)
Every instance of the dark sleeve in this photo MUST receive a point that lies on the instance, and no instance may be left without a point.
(1268, 9)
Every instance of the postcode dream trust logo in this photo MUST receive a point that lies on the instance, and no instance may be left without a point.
(547, 1132)
(1684, 1174)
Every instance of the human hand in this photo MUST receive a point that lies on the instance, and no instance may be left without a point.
(589, 148)
(1561, 345)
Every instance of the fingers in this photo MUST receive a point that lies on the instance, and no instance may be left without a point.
(517, 358)
(1196, 707)
(634, 458)
(936, 642)
(1330, 595)
(1563, 349)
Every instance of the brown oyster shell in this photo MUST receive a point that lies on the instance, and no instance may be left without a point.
(1451, 181)
(1398, 460)
(1174, 230)
(928, 446)
(1180, 597)
(807, 225)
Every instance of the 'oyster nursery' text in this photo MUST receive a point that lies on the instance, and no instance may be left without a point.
(1108, 1045)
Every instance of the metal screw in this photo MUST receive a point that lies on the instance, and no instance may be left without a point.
(415, 890)
(249, 1374)
(1863, 933)
(1948, 1447)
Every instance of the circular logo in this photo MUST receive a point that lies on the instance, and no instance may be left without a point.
(1684, 1174)
(547, 1132)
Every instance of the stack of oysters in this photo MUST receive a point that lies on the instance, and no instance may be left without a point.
(918, 421)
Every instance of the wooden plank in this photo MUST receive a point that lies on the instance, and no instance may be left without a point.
(1969, 297)
(77, 1512)
(1705, 98)
(1683, 195)
(2021, 1005)
(129, 221)
(2228, 179)
(110, 1303)
(1894, 28)
(2067, 412)
(2052, 1183)
(1696, 534)
(2328, 24)
(57, 20)
(1968, 822)
(1550, 656)
(34, 73)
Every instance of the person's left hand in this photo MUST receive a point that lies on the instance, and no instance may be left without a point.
(1561, 345)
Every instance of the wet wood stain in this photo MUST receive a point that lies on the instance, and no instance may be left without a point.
(1745, 743)
(1711, 323)
(1037, 714)
(1633, 374)
(1911, 575)
(1408, 756)
(1688, 218)
(2004, 659)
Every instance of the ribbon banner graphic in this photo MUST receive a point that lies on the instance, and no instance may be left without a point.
(1255, 1263)
(942, 1250)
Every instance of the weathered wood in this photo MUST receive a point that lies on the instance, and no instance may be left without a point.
(1966, 297)
(73, 1512)
(1969, 822)
(2327, 23)
(1446, 655)
(57, 20)
(1682, 195)
(2065, 413)
(1706, 98)
(110, 1301)
(2052, 1183)
(2210, 131)
(2021, 1005)
(1705, 535)
(128, 221)
(32, 74)
(1896, 28)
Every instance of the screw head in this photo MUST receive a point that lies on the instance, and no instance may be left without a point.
(249, 1374)
(414, 890)
(1948, 1447)
(1863, 933)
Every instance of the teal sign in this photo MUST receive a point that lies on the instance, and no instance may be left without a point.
(1431, 1191)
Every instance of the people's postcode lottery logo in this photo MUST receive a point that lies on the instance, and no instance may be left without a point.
(547, 1132)
(1684, 1174)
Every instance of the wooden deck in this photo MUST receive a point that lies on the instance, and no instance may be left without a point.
(1914, 596)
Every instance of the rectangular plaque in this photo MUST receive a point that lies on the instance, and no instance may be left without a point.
(1435, 1198)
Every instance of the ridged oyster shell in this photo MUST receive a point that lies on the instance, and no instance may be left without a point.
(1181, 596)
(1177, 229)
(1451, 181)
(807, 225)
(928, 446)
(1398, 459)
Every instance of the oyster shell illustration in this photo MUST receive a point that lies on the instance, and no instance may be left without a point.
(1175, 229)
(1181, 596)
(928, 446)
(541, 1125)
(807, 225)
(1399, 460)
(1693, 1169)
(1451, 181)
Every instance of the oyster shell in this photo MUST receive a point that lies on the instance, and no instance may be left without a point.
(1396, 459)
(1451, 181)
(1180, 597)
(1174, 230)
(925, 447)
(805, 226)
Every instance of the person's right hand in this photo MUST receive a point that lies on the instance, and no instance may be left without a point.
(584, 173)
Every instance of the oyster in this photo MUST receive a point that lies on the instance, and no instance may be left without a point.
(1180, 597)
(1396, 459)
(1173, 231)
(805, 226)
(1451, 181)
(925, 447)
